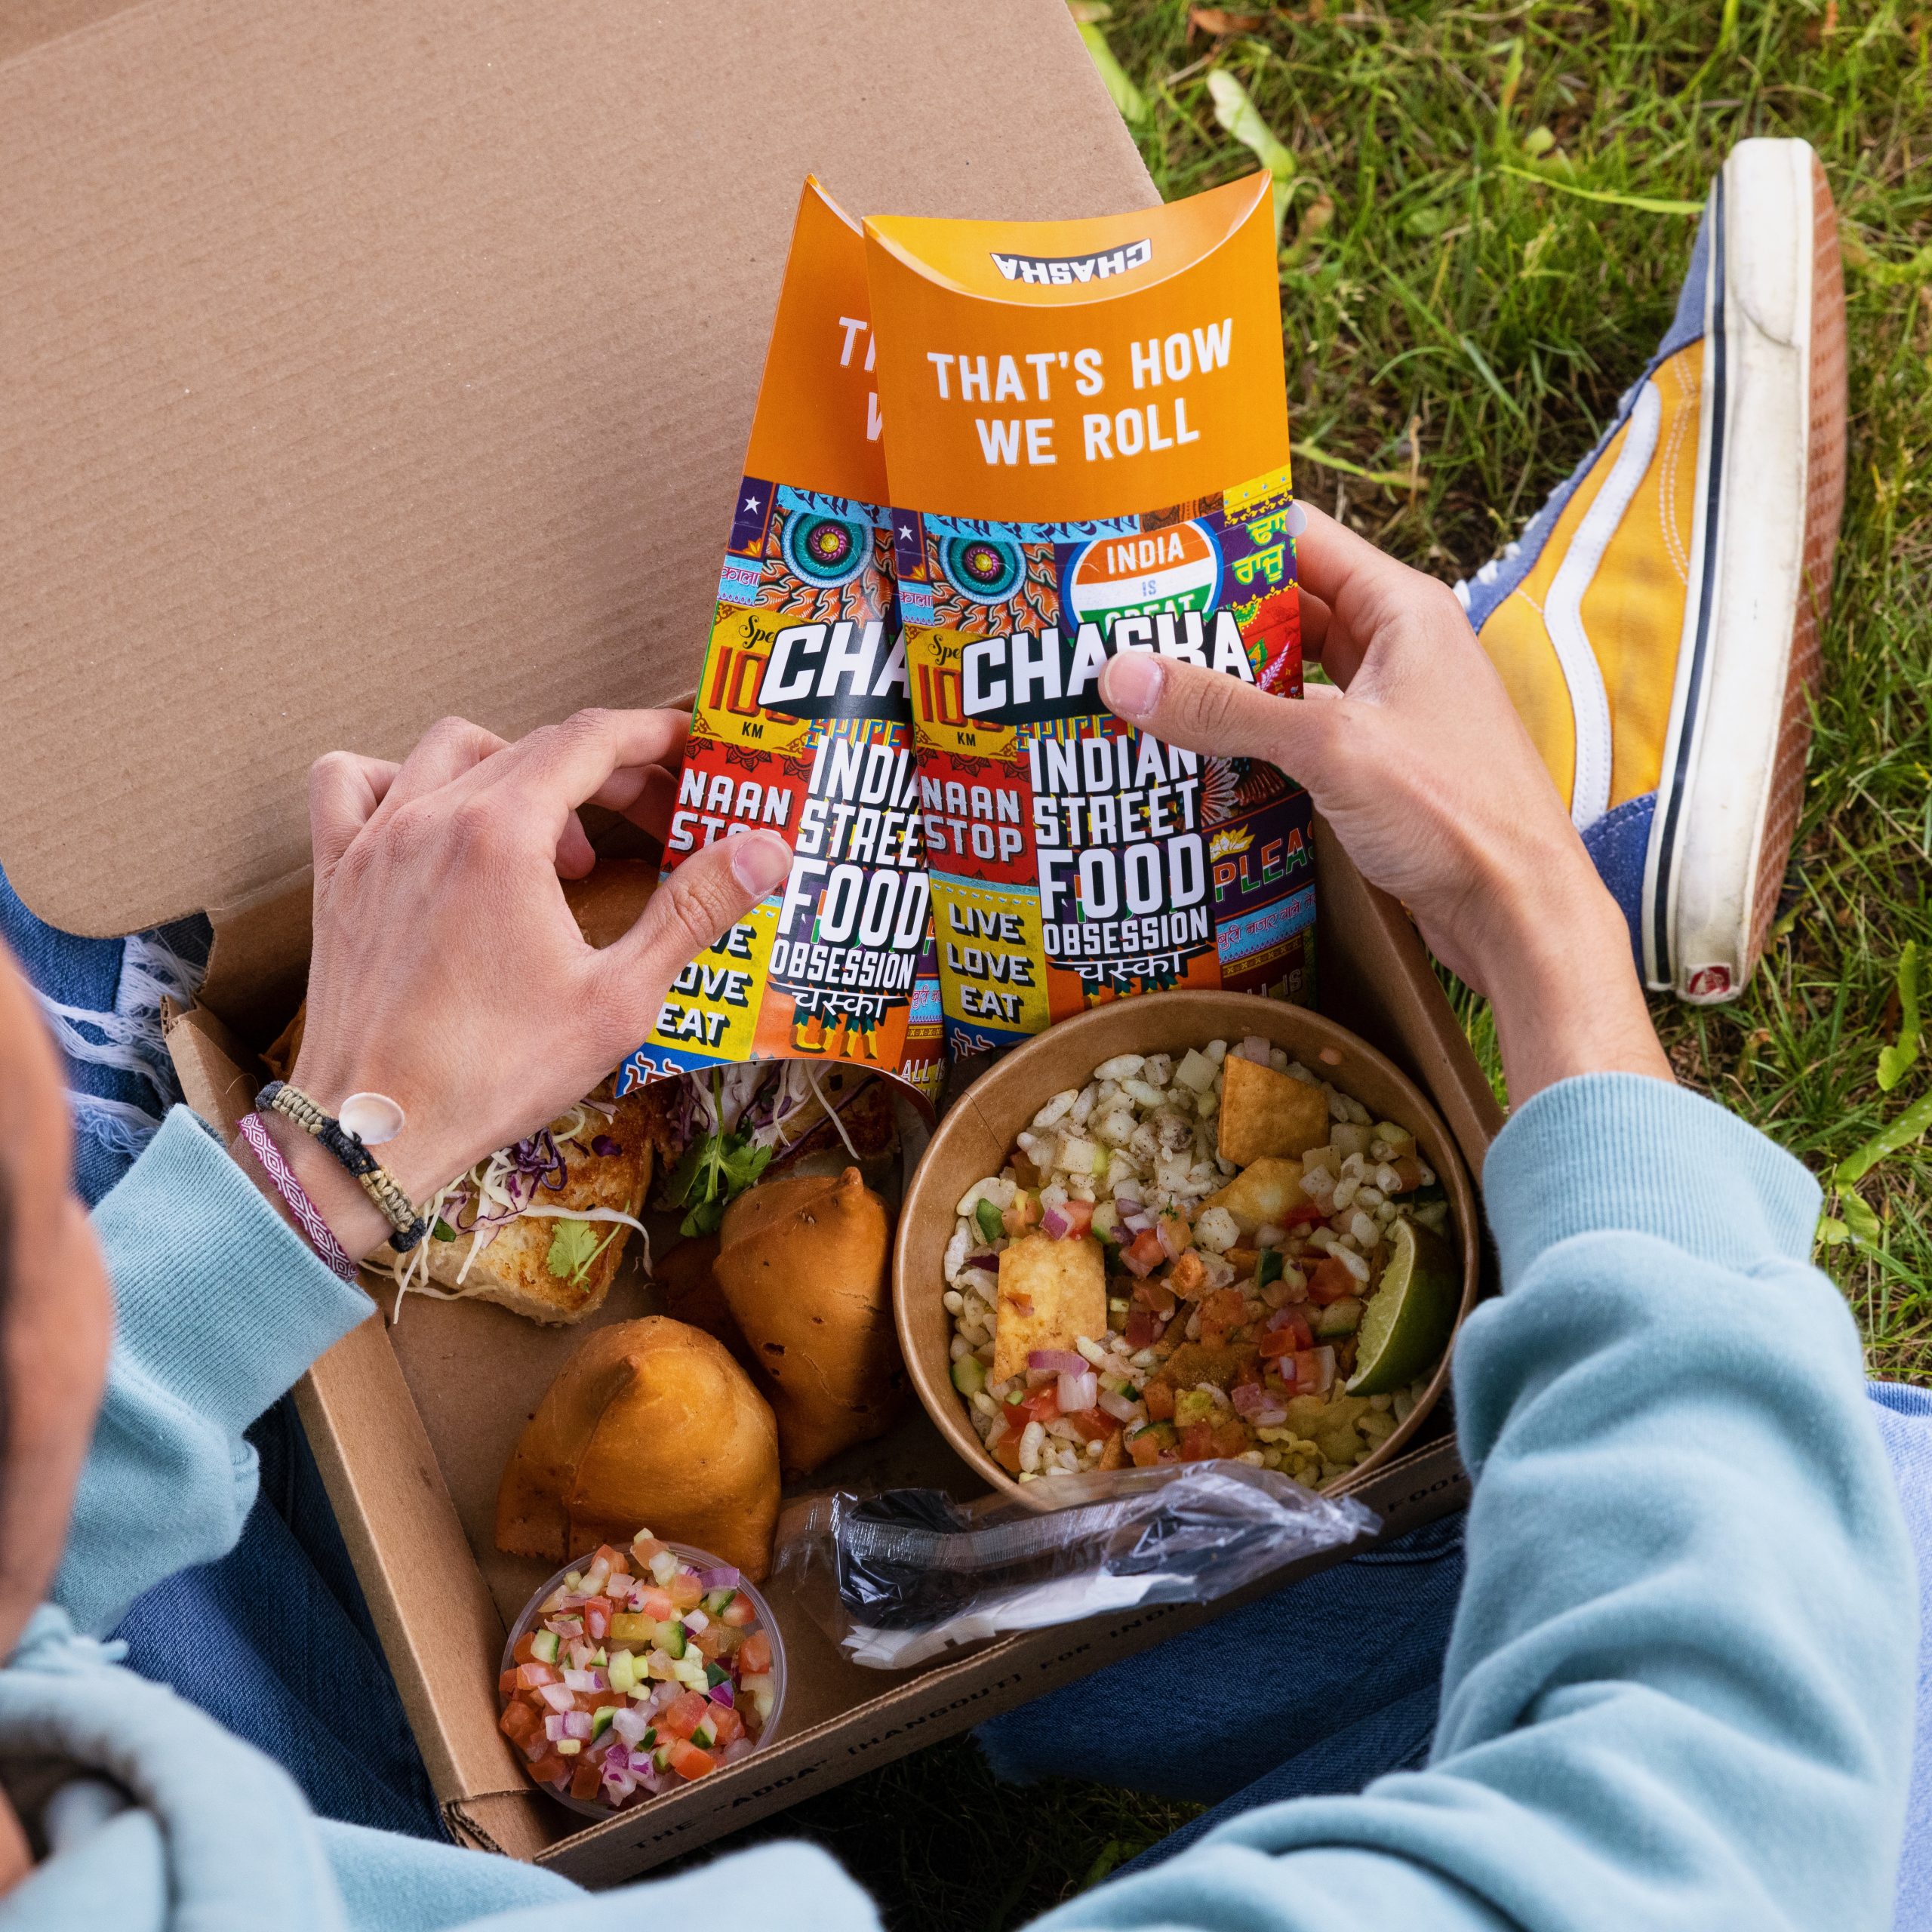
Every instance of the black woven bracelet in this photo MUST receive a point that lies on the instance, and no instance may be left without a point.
(408, 1226)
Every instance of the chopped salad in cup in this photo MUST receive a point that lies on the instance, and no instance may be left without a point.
(637, 1672)
(1218, 1255)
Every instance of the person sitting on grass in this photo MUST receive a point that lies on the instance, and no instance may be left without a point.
(1678, 1691)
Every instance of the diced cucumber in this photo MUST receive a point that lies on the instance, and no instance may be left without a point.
(623, 1671)
(969, 1375)
(543, 1646)
(704, 1737)
(1268, 1268)
(1339, 1317)
(670, 1638)
(992, 1223)
(714, 1674)
(716, 1601)
(600, 1721)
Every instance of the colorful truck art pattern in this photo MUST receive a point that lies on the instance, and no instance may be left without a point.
(1073, 859)
(802, 725)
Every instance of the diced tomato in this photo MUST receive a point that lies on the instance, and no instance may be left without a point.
(597, 1618)
(654, 1604)
(1079, 1217)
(1022, 1214)
(685, 1591)
(683, 1714)
(614, 1561)
(1144, 1253)
(1224, 1309)
(1305, 1216)
(1093, 1424)
(519, 1723)
(688, 1762)
(1152, 1445)
(1315, 1371)
(643, 1549)
(1004, 1450)
(1160, 1400)
(755, 1657)
(739, 1612)
(1230, 1439)
(1144, 1328)
(726, 1724)
(1331, 1282)
(595, 1700)
(1155, 1296)
(1189, 1276)
(526, 1677)
(586, 1778)
(526, 1647)
(549, 1770)
(1286, 1333)
(1040, 1404)
(1408, 1173)
(1196, 1442)
(710, 1642)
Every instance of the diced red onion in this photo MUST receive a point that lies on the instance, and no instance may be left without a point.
(1056, 1223)
(1078, 1391)
(1057, 1362)
(1117, 1406)
(556, 1727)
(603, 1145)
(721, 1693)
(586, 1680)
(1255, 1047)
(631, 1726)
(557, 1697)
(577, 1723)
(618, 1756)
(1248, 1397)
(1283, 1315)
(738, 1747)
(987, 1261)
(1136, 1219)
(1272, 1417)
(723, 1578)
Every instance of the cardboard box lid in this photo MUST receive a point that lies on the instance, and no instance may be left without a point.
(359, 364)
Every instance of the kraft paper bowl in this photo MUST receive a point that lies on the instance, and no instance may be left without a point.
(977, 1133)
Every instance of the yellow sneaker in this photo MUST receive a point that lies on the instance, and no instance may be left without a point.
(1657, 624)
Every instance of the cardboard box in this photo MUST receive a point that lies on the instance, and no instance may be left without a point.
(359, 365)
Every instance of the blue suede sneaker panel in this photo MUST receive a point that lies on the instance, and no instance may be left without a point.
(1618, 844)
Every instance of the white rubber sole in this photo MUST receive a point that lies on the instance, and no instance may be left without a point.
(1702, 885)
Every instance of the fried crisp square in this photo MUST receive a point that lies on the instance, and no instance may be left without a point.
(1051, 1293)
(1263, 1195)
(1265, 1112)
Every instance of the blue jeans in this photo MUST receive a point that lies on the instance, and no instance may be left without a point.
(275, 1641)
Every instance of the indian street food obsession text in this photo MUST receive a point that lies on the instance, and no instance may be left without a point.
(802, 723)
(1087, 440)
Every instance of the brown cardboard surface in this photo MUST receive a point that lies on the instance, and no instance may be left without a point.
(338, 339)
(411, 1426)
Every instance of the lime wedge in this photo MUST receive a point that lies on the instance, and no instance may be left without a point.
(1409, 1315)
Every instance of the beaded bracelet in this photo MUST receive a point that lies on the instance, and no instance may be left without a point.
(277, 1096)
(321, 1236)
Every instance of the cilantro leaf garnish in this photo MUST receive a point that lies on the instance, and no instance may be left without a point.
(573, 1248)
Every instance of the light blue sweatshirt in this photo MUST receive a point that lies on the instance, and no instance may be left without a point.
(1678, 1695)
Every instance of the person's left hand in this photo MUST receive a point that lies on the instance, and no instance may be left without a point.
(447, 971)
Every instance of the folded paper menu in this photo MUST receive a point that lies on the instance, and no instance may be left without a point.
(1083, 428)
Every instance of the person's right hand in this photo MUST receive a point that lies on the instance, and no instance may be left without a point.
(447, 971)
(1420, 765)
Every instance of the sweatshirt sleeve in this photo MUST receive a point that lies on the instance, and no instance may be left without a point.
(219, 1307)
(1679, 1689)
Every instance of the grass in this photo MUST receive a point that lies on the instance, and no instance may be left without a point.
(1459, 324)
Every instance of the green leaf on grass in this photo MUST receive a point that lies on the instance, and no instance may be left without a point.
(1896, 1061)
(1118, 83)
(1646, 204)
(1833, 1233)
(1910, 1126)
(1861, 1224)
(1235, 110)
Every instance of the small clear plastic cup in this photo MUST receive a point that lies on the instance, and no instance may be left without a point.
(698, 1559)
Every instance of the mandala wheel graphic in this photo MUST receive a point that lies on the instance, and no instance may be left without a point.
(825, 551)
(985, 569)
